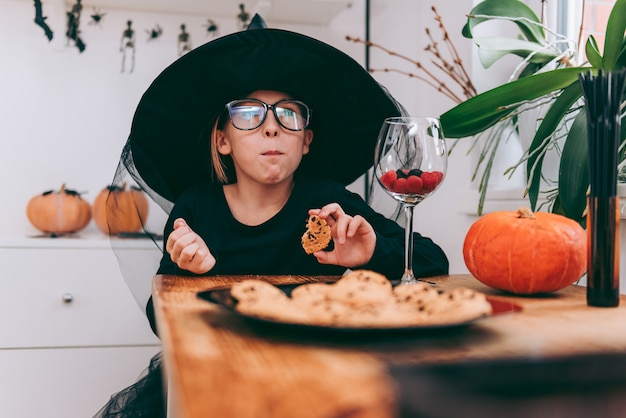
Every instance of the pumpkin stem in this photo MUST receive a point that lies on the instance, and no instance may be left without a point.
(62, 189)
(524, 212)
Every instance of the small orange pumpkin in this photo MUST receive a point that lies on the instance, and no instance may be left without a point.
(524, 252)
(58, 212)
(117, 209)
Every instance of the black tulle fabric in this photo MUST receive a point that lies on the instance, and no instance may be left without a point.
(144, 399)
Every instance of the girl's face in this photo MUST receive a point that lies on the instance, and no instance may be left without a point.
(269, 154)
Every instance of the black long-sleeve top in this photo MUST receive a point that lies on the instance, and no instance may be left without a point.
(274, 247)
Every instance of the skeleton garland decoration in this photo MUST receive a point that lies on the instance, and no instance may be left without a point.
(184, 41)
(127, 46)
(128, 41)
(73, 26)
(243, 18)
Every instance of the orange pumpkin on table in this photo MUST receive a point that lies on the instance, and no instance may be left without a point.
(524, 252)
(58, 212)
(118, 210)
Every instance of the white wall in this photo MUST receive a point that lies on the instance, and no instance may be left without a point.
(65, 115)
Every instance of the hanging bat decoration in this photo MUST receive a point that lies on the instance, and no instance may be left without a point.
(212, 29)
(96, 17)
(154, 33)
(73, 26)
(40, 20)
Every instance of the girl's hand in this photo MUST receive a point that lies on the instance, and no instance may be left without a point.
(353, 236)
(188, 250)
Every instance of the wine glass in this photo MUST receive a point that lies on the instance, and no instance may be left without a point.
(410, 163)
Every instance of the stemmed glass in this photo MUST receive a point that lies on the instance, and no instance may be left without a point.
(410, 163)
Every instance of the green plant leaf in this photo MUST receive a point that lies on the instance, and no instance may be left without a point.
(593, 52)
(484, 110)
(548, 126)
(558, 209)
(512, 9)
(614, 41)
(530, 69)
(621, 59)
(574, 170)
(491, 49)
(622, 136)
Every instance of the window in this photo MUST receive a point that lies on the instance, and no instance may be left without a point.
(593, 14)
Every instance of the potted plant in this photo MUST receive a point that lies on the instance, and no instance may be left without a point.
(546, 76)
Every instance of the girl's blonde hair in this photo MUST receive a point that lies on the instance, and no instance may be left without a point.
(220, 162)
(219, 166)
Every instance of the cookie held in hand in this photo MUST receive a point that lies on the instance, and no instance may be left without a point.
(317, 235)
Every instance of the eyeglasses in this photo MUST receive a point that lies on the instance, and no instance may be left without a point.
(249, 114)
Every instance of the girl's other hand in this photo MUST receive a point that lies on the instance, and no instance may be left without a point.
(354, 238)
(188, 250)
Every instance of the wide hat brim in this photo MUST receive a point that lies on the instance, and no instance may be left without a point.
(169, 139)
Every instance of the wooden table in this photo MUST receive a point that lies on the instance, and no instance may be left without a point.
(556, 357)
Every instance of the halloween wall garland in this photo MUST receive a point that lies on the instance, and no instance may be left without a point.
(40, 20)
(127, 46)
(128, 41)
(96, 17)
(154, 33)
(73, 26)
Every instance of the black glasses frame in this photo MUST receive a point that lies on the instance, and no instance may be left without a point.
(267, 106)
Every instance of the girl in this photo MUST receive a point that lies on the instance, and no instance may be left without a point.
(239, 141)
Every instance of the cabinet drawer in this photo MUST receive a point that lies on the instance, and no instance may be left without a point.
(67, 298)
(67, 382)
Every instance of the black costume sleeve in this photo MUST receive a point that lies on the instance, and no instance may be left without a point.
(388, 259)
(183, 209)
(167, 266)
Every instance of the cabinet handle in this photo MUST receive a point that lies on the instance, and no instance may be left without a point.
(68, 298)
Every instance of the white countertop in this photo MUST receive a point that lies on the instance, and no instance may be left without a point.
(79, 241)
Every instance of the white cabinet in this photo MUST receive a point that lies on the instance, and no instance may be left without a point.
(71, 332)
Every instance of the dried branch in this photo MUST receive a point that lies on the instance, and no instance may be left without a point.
(582, 25)
(439, 87)
(450, 65)
(456, 58)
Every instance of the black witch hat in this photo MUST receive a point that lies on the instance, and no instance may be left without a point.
(168, 148)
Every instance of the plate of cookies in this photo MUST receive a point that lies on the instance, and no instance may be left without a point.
(361, 300)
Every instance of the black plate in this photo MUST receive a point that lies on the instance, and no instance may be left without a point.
(223, 298)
